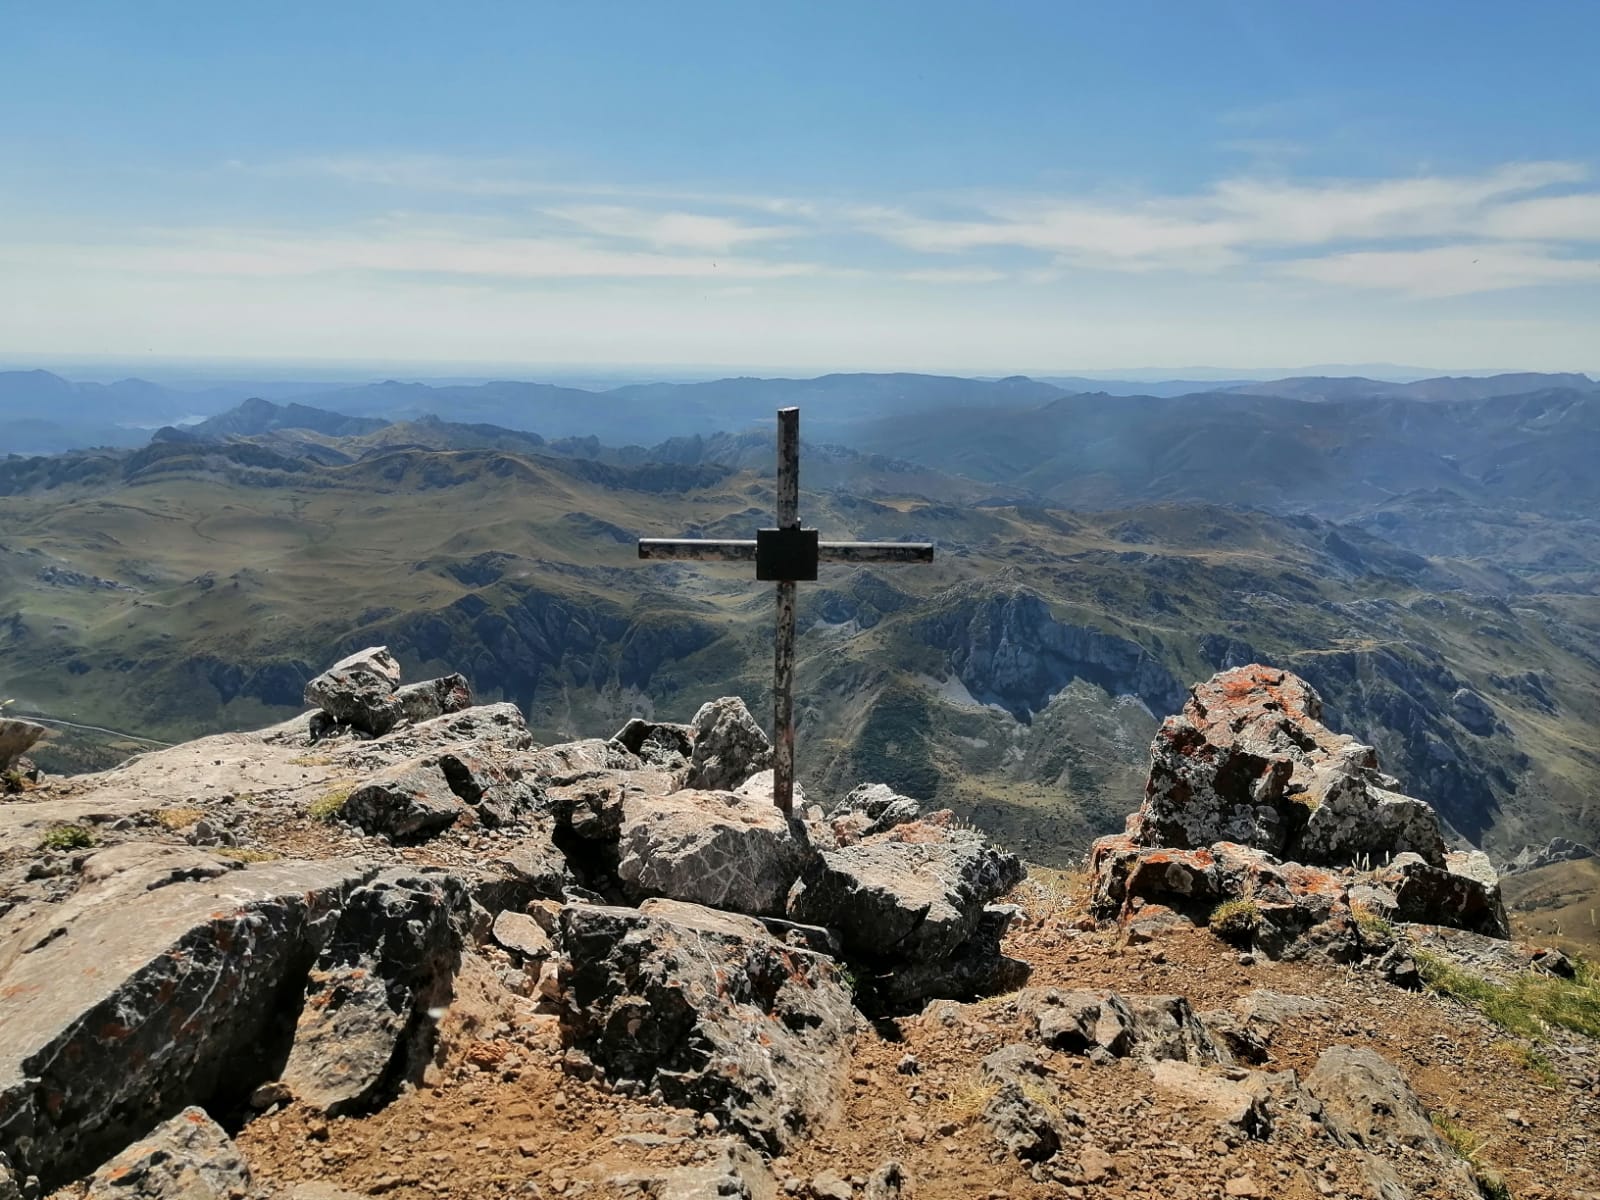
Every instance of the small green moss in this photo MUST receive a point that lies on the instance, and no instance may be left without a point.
(68, 837)
(328, 805)
(1236, 920)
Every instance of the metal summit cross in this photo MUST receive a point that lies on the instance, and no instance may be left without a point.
(785, 555)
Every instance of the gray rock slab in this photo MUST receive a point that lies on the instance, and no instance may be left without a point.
(123, 1001)
(189, 1157)
(672, 1004)
(715, 848)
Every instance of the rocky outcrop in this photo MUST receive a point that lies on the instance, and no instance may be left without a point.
(1009, 650)
(912, 898)
(729, 746)
(363, 693)
(407, 801)
(717, 848)
(17, 737)
(668, 1002)
(1104, 1025)
(1252, 799)
(1556, 850)
(189, 1157)
(183, 985)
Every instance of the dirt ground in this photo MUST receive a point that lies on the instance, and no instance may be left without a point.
(499, 1118)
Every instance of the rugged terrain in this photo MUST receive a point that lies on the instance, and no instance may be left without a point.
(398, 949)
(192, 586)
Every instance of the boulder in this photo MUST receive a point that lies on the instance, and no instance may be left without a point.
(1106, 1025)
(434, 697)
(976, 968)
(1240, 1101)
(1368, 1105)
(359, 691)
(716, 848)
(1439, 896)
(497, 795)
(17, 737)
(729, 746)
(189, 1157)
(670, 1003)
(869, 809)
(1354, 821)
(1026, 1112)
(364, 1025)
(727, 1168)
(914, 893)
(180, 996)
(662, 745)
(406, 802)
(522, 935)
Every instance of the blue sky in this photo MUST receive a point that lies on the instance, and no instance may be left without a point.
(1005, 186)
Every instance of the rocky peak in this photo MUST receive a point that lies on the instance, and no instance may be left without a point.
(1251, 798)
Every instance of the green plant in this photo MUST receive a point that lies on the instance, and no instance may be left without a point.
(68, 837)
(1373, 927)
(1470, 1146)
(1236, 920)
(328, 805)
(246, 854)
(1529, 1004)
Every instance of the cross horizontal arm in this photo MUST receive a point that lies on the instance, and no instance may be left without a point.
(702, 549)
(720, 550)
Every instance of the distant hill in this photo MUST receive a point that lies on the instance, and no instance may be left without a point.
(1444, 388)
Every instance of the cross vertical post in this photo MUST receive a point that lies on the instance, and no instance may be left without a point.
(788, 513)
(785, 556)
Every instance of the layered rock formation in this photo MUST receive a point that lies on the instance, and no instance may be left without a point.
(1252, 799)
(654, 899)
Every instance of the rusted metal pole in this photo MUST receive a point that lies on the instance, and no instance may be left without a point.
(788, 503)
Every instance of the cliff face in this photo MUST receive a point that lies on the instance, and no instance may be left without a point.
(1009, 650)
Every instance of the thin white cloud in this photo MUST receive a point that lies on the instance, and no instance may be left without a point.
(670, 230)
(264, 254)
(1438, 271)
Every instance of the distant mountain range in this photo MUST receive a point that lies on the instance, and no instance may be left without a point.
(42, 413)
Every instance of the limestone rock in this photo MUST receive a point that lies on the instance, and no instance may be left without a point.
(871, 808)
(177, 997)
(729, 1169)
(390, 959)
(17, 737)
(1026, 1112)
(1242, 1104)
(670, 1004)
(711, 847)
(434, 697)
(405, 802)
(1367, 1104)
(729, 746)
(360, 691)
(522, 935)
(888, 1182)
(186, 1158)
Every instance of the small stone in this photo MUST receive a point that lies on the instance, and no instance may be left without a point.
(908, 1065)
(1243, 1186)
(1094, 1164)
(828, 1185)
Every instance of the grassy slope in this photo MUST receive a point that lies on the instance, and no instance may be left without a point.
(249, 568)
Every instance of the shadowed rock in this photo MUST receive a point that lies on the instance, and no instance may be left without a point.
(672, 1003)
(187, 1158)
(360, 691)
